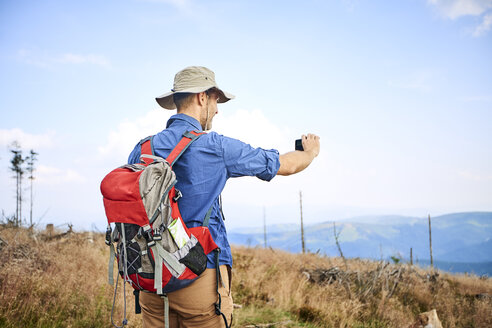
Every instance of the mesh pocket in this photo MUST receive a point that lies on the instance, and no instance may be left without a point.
(195, 260)
(134, 260)
(133, 248)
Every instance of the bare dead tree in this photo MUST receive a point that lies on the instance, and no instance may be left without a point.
(16, 162)
(338, 245)
(30, 169)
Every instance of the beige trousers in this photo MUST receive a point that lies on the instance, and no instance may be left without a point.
(192, 306)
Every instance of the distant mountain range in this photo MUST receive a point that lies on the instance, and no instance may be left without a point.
(461, 242)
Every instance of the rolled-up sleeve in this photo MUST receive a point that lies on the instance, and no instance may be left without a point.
(243, 160)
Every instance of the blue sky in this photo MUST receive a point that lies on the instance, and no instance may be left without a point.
(400, 93)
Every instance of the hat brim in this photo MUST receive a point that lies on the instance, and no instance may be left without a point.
(166, 100)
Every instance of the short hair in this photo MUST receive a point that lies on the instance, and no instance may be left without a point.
(184, 99)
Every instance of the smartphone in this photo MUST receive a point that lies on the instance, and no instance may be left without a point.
(299, 145)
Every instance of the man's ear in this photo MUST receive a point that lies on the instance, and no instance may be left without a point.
(202, 98)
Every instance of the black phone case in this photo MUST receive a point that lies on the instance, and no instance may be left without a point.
(299, 145)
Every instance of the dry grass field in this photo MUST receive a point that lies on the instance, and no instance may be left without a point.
(62, 282)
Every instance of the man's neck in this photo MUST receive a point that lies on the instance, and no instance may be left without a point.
(191, 111)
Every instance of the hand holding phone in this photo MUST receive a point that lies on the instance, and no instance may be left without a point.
(308, 143)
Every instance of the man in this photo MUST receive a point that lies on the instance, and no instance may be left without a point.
(202, 172)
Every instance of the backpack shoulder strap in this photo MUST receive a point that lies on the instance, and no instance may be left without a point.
(147, 148)
(188, 138)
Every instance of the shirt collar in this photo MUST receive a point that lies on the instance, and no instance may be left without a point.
(188, 119)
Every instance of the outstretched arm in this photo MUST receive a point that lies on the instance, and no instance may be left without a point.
(296, 161)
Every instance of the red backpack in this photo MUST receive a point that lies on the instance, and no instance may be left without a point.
(156, 251)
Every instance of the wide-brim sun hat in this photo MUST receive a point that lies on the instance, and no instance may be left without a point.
(193, 79)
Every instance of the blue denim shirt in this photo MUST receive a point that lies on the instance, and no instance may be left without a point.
(202, 172)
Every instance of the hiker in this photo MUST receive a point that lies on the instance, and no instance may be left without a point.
(202, 172)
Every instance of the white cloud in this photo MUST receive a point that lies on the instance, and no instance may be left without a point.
(456, 8)
(27, 140)
(122, 140)
(484, 27)
(254, 128)
(45, 60)
(53, 175)
(70, 58)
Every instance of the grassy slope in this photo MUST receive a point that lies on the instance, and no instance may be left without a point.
(62, 283)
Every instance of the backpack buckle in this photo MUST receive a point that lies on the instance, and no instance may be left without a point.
(147, 234)
(217, 309)
(157, 234)
(178, 195)
(108, 235)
